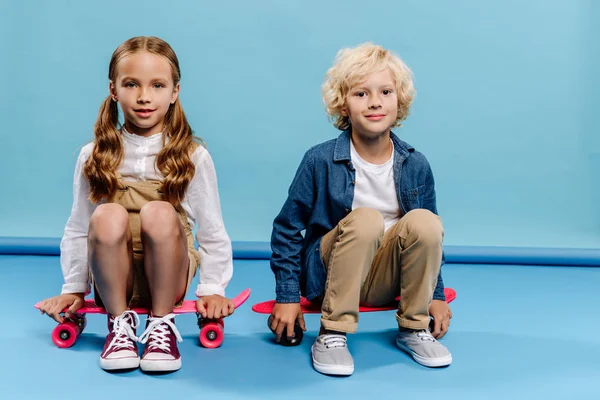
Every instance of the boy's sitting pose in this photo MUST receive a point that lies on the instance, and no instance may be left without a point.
(366, 202)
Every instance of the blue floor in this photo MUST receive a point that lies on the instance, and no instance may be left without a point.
(518, 332)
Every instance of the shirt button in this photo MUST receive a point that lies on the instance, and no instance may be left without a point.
(347, 210)
(415, 193)
(353, 183)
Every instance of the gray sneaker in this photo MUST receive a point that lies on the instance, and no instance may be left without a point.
(330, 355)
(424, 348)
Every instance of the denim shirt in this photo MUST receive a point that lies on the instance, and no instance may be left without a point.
(320, 195)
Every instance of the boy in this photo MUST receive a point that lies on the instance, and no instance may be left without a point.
(366, 201)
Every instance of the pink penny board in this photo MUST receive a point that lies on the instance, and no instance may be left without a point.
(315, 307)
(211, 331)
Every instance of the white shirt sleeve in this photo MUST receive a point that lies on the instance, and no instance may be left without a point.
(73, 246)
(216, 264)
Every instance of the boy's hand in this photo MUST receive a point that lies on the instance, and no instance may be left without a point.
(55, 305)
(440, 311)
(214, 306)
(283, 317)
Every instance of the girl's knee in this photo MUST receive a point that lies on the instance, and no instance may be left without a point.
(159, 219)
(108, 224)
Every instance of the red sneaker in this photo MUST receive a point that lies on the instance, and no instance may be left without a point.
(161, 337)
(120, 348)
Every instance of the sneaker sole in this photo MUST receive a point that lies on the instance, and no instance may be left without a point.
(328, 369)
(427, 362)
(108, 364)
(160, 365)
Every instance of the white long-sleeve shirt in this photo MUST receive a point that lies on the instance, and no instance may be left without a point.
(201, 204)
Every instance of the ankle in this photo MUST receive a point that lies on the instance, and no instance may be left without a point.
(324, 331)
(408, 330)
(113, 316)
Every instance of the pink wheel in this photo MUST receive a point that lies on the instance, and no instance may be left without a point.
(211, 335)
(65, 334)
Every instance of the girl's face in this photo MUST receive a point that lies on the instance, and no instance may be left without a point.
(145, 90)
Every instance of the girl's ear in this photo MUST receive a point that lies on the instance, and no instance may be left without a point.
(175, 95)
(113, 91)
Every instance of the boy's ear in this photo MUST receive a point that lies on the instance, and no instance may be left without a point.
(344, 112)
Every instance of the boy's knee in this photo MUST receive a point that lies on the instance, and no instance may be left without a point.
(108, 224)
(424, 226)
(367, 223)
(159, 219)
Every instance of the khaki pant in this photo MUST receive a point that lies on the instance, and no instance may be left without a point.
(365, 266)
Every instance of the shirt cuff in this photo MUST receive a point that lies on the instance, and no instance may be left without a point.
(439, 295)
(209, 289)
(287, 294)
(76, 287)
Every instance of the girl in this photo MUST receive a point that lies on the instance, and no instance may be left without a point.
(138, 191)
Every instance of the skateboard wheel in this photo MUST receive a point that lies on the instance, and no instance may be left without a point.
(211, 335)
(296, 340)
(81, 322)
(65, 334)
(83, 325)
(285, 341)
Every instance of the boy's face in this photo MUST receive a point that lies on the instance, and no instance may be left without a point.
(372, 105)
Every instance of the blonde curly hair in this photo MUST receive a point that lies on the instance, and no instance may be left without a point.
(353, 66)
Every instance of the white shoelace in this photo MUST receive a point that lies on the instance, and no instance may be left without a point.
(425, 336)
(332, 341)
(157, 332)
(123, 327)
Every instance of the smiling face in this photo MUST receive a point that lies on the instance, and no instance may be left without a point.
(145, 90)
(372, 105)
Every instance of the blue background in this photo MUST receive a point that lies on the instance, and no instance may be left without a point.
(507, 93)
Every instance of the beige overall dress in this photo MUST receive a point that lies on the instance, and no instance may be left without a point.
(133, 196)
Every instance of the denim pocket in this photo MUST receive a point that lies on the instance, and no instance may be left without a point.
(412, 198)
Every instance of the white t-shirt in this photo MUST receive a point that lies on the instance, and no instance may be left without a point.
(201, 204)
(375, 188)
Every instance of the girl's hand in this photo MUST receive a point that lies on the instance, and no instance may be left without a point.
(55, 305)
(214, 306)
